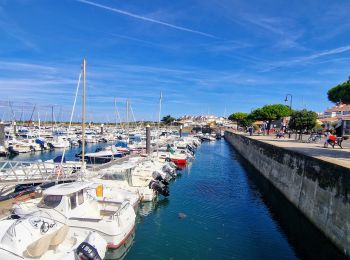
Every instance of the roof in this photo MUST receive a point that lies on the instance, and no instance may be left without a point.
(338, 108)
(66, 188)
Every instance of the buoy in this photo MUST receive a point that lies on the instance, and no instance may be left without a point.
(181, 215)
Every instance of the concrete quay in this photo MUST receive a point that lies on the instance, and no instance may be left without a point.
(314, 179)
(337, 155)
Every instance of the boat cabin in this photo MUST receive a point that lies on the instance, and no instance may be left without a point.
(65, 198)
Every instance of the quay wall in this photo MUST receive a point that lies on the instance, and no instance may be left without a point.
(319, 189)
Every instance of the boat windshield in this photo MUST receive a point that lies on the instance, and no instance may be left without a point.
(114, 176)
(50, 201)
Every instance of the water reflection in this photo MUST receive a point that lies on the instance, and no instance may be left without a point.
(307, 241)
(147, 208)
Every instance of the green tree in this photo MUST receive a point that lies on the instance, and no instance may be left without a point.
(270, 113)
(240, 117)
(246, 122)
(340, 92)
(302, 120)
(168, 119)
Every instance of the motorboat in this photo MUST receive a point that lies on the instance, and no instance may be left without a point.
(38, 236)
(70, 203)
(102, 155)
(120, 176)
(59, 142)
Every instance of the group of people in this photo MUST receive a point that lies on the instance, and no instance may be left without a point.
(333, 136)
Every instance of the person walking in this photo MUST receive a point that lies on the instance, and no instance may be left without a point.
(250, 130)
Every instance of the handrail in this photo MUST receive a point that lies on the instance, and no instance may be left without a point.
(22, 172)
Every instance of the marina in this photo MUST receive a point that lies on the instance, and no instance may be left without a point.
(218, 207)
(174, 130)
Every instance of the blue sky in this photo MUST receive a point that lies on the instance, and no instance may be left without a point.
(204, 55)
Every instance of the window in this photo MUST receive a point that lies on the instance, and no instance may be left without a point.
(50, 201)
(80, 197)
(346, 112)
(73, 201)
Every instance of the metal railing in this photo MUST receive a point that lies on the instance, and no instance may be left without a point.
(20, 172)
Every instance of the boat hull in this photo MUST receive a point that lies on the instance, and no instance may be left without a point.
(119, 251)
(179, 161)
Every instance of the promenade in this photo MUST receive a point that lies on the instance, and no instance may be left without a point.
(337, 155)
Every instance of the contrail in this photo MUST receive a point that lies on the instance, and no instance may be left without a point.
(147, 19)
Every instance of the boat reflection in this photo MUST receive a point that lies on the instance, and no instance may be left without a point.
(147, 208)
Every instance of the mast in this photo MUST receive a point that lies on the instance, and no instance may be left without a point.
(52, 119)
(127, 117)
(115, 111)
(160, 111)
(160, 108)
(117, 115)
(83, 116)
(31, 116)
(39, 123)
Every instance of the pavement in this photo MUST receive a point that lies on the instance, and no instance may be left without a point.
(337, 155)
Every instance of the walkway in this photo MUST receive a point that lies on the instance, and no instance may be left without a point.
(337, 155)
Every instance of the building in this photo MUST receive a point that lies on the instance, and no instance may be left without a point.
(331, 116)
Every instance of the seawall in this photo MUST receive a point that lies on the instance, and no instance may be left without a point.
(319, 189)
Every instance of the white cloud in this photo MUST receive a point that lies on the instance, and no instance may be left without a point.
(140, 17)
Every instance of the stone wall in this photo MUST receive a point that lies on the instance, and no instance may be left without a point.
(319, 189)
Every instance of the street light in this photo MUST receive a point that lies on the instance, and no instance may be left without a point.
(290, 101)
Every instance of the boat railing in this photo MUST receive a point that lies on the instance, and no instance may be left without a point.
(22, 172)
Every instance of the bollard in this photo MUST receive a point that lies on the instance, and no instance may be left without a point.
(148, 139)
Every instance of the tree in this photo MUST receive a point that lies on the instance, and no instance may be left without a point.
(270, 113)
(340, 93)
(168, 119)
(240, 117)
(246, 122)
(302, 120)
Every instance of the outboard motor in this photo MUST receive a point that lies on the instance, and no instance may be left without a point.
(190, 148)
(51, 146)
(41, 143)
(157, 176)
(12, 151)
(159, 187)
(172, 165)
(169, 170)
(85, 251)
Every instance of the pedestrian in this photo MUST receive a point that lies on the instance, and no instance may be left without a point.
(250, 129)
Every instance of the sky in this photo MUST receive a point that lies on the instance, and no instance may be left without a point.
(205, 56)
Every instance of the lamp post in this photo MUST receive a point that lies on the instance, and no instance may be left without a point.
(290, 100)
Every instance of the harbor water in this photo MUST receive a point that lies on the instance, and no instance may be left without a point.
(227, 211)
(219, 208)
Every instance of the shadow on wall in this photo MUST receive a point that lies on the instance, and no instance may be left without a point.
(304, 237)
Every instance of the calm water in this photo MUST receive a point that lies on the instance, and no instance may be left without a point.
(47, 155)
(231, 213)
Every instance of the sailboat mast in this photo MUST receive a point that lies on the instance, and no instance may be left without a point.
(52, 119)
(115, 111)
(160, 108)
(83, 115)
(39, 124)
(160, 111)
(127, 116)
